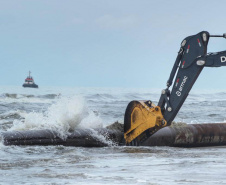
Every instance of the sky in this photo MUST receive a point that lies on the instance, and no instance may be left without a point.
(104, 43)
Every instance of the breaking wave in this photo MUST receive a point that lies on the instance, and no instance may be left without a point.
(64, 116)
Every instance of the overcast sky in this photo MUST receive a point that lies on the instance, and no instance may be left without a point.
(104, 43)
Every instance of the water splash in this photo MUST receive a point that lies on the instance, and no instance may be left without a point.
(64, 116)
(104, 138)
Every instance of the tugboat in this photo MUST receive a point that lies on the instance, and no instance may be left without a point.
(29, 82)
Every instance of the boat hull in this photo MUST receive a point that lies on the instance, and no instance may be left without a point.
(30, 85)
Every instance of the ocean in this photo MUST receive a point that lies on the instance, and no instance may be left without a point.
(65, 109)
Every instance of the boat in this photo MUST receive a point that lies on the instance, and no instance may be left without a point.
(29, 82)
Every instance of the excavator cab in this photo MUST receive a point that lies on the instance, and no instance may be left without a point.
(143, 118)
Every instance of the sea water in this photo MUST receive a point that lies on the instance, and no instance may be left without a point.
(65, 109)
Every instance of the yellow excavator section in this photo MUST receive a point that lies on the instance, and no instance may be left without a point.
(142, 119)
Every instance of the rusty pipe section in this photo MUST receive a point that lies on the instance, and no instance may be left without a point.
(189, 135)
(179, 135)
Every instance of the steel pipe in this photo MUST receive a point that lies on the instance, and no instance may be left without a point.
(184, 135)
(189, 135)
(79, 138)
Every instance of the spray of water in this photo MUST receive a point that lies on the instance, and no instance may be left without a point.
(64, 116)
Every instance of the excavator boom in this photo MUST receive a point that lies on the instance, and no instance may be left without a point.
(143, 118)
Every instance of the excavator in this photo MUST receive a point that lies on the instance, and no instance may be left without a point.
(144, 118)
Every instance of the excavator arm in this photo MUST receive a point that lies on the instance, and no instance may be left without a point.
(143, 118)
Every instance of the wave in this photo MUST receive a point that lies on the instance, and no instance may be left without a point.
(11, 115)
(9, 95)
(64, 116)
(49, 96)
(101, 96)
(19, 96)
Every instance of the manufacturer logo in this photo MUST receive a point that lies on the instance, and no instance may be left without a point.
(223, 58)
(178, 93)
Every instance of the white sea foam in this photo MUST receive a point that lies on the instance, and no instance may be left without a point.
(103, 138)
(67, 114)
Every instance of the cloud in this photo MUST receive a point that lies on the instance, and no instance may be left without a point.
(112, 22)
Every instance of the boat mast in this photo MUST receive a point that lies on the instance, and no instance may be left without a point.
(29, 74)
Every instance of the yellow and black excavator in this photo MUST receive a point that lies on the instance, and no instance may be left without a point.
(143, 118)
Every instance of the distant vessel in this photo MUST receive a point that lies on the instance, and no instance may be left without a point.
(29, 82)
